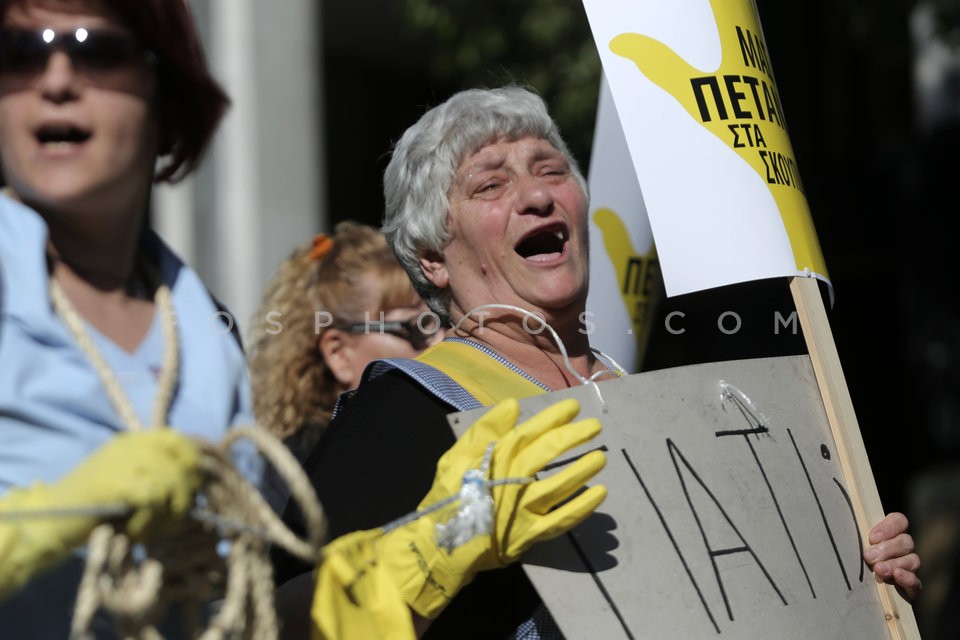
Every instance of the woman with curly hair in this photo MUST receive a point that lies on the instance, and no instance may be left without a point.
(332, 306)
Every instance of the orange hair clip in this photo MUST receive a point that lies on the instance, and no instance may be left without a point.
(322, 243)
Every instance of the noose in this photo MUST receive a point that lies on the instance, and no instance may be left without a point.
(185, 569)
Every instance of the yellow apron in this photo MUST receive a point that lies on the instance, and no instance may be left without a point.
(488, 380)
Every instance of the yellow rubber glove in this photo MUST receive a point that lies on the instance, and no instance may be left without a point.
(355, 596)
(154, 472)
(427, 575)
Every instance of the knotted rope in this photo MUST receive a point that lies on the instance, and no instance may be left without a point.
(185, 568)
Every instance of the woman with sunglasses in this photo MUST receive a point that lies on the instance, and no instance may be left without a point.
(102, 329)
(333, 306)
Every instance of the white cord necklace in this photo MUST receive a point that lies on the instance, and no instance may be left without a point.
(605, 359)
(171, 357)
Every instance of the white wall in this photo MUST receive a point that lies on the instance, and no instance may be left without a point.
(262, 188)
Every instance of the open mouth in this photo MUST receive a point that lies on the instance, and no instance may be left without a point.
(60, 135)
(543, 243)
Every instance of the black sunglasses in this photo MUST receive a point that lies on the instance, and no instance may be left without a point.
(104, 56)
(411, 330)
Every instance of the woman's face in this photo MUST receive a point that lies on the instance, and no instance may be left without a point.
(518, 230)
(78, 129)
(350, 349)
(371, 344)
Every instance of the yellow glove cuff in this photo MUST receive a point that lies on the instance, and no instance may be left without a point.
(27, 547)
(355, 597)
(426, 575)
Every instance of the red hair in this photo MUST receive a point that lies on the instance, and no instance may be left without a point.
(190, 101)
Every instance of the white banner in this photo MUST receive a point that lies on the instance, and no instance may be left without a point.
(624, 272)
(703, 121)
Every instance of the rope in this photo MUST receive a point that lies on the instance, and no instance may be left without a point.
(171, 357)
(138, 584)
(606, 360)
(183, 569)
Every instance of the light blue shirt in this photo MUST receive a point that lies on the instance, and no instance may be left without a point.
(54, 410)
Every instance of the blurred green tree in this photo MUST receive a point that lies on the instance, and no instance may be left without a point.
(544, 44)
(947, 17)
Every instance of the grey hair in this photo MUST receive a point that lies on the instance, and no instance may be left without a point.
(425, 161)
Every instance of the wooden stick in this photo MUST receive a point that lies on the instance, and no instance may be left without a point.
(847, 439)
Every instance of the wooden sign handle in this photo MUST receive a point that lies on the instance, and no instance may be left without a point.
(847, 438)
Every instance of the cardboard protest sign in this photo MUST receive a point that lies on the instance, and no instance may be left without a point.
(728, 513)
(702, 116)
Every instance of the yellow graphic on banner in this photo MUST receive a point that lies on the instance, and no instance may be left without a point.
(739, 104)
(638, 276)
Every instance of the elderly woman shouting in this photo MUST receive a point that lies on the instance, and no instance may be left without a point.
(487, 211)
